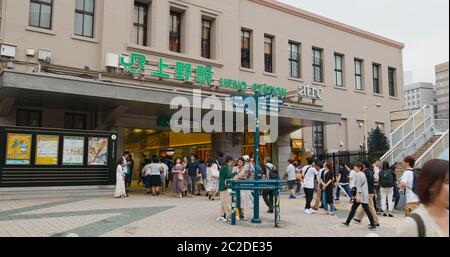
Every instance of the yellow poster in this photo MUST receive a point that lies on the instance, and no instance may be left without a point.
(18, 151)
(47, 150)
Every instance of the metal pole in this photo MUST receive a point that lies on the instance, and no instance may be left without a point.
(365, 129)
(256, 218)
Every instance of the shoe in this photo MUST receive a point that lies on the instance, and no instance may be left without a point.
(312, 211)
(308, 211)
(371, 227)
(377, 225)
(384, 214)
(345, 224)
(357, 221)
(292, 197)
(391, 216)
(336, 200)
(332, 213)
(270, 211)
(378, 213)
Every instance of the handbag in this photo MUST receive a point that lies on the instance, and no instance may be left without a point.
(299, 176)
(215, 173)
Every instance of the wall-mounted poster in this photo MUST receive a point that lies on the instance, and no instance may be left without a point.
(98, 151)
(18, 151)
(73, 151)
(47, 150)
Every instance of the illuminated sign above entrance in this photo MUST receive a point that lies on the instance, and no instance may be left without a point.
(202, 75)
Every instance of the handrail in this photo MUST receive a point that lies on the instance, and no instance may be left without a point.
(422, 122)
(435, 150)
(406, 121)
(441, 125)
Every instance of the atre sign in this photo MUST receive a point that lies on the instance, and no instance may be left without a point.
(309, 92)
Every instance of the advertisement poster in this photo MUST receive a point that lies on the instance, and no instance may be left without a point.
(47, 150)
(98, 151)
(18, 150)
(73, 151)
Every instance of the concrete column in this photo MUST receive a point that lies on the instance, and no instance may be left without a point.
(223, 142)
(159, 25)
(282, 153)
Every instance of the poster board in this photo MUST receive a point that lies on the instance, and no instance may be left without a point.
(97, 151)
(47, 150)
(18, 149)
(73, 150)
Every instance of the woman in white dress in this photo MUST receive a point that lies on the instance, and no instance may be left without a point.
(242, 173)
(212, 179)
(120, 180)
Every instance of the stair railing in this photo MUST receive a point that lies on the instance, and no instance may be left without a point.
(411, 135)
(435, 151)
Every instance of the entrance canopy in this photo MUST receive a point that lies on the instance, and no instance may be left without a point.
(44, 90)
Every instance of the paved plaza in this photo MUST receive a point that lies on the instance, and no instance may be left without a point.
(141, 215)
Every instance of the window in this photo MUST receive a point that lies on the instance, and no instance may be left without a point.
(175, 32)
(358, 75)
(318, 140)
(206, 38)
(376, 78)
(28, 118)
(392, 85)
(338, 61)
(294, 60)
(140, 24)
(40, 14)
(268, 54)
(74, 121)
(317, 65)
(245, 49)
(84, 18)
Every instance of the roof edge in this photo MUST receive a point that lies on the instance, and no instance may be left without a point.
(328, 22)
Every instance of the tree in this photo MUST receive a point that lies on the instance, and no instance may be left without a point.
(377, 142)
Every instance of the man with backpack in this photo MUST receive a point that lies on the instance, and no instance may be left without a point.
(408, 182)
(387, 183)
(269, 172)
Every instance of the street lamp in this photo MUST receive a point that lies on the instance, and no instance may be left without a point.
(378, 105)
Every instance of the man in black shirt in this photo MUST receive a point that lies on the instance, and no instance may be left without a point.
(371, 185)
(344, 175)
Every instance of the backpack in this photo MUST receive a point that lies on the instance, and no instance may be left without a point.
(273, 173)
(386, 179)
(415, 180)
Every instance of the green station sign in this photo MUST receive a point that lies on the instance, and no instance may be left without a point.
(202, 75)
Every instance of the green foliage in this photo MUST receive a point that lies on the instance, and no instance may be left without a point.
(377, 142)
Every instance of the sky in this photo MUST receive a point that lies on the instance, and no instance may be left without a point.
(422, 25)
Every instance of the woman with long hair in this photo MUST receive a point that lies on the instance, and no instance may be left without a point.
(178, 178)
(241, 173)
(120, 180)
(326, 183)
(212, 179)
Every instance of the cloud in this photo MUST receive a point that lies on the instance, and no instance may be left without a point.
(422, 25)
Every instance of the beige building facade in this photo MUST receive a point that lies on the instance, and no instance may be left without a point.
(442, 90)
(61, 58)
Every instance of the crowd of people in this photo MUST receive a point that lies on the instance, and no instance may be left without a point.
(374, 187)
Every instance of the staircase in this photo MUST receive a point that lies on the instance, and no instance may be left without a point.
(426, 146)
(421, 136)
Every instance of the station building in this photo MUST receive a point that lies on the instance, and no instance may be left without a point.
(84, 80)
